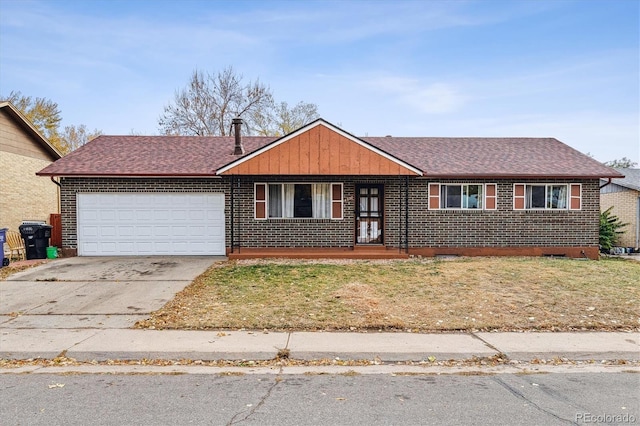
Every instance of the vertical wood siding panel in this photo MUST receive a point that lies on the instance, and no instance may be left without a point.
(285, 156)
(375, 159)
(384, 167)
(264, 162)
(274, 159)
(294, 156)
(242, 169)
(345, 155)
(314, 151)
(334, 153)
(304, 154)
(325, 149)
(356, 160)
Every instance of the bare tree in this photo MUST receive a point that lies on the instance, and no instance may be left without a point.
(45, 115)
(622, 163)
(280, 120)
(209, 103)
(76, 136)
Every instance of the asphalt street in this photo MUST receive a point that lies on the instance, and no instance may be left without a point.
(346, 399)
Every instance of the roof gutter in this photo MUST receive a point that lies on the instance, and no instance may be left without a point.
(156, 176)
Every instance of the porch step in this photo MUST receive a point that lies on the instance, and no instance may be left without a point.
(358, 252)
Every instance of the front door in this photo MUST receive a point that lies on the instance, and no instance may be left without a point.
(369, 217)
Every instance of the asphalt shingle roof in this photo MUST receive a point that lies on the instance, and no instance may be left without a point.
(151, 156)
(630, 180)
(487, 157)
(437, 157)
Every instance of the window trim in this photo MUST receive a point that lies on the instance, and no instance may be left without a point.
(520, 197)
(434, 198)
(332, 201)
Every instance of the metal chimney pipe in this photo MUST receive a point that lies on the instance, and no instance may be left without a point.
(237, 124)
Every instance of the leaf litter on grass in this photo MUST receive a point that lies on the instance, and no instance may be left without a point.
(422, 295)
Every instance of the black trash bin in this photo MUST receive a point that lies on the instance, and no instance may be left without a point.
(36, 239)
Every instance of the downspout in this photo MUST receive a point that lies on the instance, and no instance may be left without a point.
(608, 183)
(638, 226)
(239, 221)
(406, 213)
(400, 217)
(59, 189)
(232, 210)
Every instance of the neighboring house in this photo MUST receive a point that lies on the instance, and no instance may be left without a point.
(322, 191)
(23, 152)
(623, 194)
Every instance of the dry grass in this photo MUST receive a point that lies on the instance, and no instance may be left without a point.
(420, 295)
(13, 268)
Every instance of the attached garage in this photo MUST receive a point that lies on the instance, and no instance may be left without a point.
(131, 224)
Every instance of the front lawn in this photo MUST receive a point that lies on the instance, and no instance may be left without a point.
(421, 295)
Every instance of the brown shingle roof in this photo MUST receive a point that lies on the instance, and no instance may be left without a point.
(151, 156)
(437, 157)
(493, 157)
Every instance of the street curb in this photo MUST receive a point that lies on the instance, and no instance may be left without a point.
(134, 344)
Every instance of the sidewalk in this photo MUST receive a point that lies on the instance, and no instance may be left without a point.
(130, 344)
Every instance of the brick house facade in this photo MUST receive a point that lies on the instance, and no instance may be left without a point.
(407, 209)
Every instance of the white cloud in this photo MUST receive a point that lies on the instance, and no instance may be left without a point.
(429, 98)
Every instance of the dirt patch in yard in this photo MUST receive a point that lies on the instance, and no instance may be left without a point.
(420, 295)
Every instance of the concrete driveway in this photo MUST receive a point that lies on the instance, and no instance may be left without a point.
(95, 292)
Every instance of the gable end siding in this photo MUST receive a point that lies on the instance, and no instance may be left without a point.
(319, 151)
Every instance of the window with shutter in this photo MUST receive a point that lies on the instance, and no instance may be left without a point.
(260, 201)
(575, 200)
(518, 196)
(434, 196)
(491, 196)
(336, 201)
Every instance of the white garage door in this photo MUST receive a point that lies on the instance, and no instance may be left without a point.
(129, 224)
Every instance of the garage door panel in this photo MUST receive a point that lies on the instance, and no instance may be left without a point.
(148, 224)
(126, 215)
